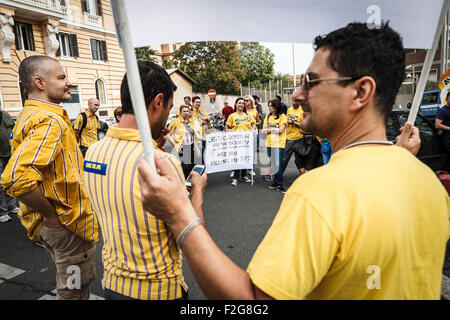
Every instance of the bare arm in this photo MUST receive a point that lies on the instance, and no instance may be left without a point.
(35, 200)
(77, 134)
(216, 274)
(438, 124)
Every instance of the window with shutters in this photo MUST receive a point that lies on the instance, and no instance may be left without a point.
(93, 7)
(68, 45)
(98, 50)
(100, 91)
(24, 36)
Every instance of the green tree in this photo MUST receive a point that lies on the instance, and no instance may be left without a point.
(257, 61)
(146, 53)
(212, 64)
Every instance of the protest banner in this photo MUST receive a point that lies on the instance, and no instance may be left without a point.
(227, 151)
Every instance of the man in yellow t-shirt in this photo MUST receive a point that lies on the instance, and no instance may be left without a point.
(293, 139)
(371, 224)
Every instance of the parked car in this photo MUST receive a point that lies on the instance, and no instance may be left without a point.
(110, 121)
(101, 133)
(432, 151)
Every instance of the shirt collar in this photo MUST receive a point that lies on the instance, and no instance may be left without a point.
(126, 134)
(46, 106)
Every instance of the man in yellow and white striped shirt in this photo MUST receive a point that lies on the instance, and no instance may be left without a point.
(141, 259)
(86, 125)
(45, 174)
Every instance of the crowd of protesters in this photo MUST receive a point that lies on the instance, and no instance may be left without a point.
(375, 212)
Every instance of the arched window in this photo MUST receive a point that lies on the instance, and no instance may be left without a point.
(100, 93)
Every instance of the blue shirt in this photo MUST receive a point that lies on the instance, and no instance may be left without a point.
(444, 115)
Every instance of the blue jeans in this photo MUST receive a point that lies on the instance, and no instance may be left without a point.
(291, 147)
(278, 156)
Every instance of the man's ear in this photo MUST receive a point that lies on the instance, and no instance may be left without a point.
(364, 92)
(158, 102)
(39, 82)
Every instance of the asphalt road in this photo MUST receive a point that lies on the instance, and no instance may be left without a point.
(237, 219)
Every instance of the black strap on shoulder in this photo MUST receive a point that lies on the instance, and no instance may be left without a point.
(83, 124)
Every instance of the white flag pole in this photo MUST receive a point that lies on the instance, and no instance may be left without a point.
(427, 65)
(134, 80)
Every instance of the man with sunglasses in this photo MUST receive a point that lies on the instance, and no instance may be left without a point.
(371, 224)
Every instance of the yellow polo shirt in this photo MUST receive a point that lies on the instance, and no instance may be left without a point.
(275, 140)
(296, 115)
(140, 256)
(371, 224)
(240, 122)
(45, 155)
(89, 133)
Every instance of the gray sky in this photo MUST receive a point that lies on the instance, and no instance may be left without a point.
(283, 56)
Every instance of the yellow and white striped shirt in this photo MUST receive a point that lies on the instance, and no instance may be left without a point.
(45, 155)
(140, 256)
(89, 133)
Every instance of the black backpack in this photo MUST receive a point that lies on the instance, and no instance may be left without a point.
(84, 123)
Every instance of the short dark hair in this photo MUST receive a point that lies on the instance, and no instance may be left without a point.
(154, 79)
(278, 97)
(29, 68)
(187, 97)
(255, 97)
(195, 98)
(357, 51)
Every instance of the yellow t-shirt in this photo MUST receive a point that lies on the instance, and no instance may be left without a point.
(293, 132)
(253, 113)
(371, 224)
(275, 140)
(240, 122)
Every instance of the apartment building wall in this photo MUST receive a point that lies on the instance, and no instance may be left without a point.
(83, 71)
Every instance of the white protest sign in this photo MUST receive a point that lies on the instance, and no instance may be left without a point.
(227, 151)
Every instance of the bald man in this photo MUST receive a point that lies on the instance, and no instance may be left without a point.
(86, 126)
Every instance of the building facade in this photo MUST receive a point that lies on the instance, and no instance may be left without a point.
(164, 52)
(80, 34)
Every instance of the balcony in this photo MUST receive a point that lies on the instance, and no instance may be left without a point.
(93, 20)
(37, 9)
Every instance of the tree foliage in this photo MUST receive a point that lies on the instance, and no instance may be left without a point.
(146, 53)
(212, 64)
(257, 61)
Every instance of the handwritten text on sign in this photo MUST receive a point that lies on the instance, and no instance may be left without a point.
(226, 151)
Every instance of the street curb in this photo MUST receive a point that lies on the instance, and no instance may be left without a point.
(445, 292)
